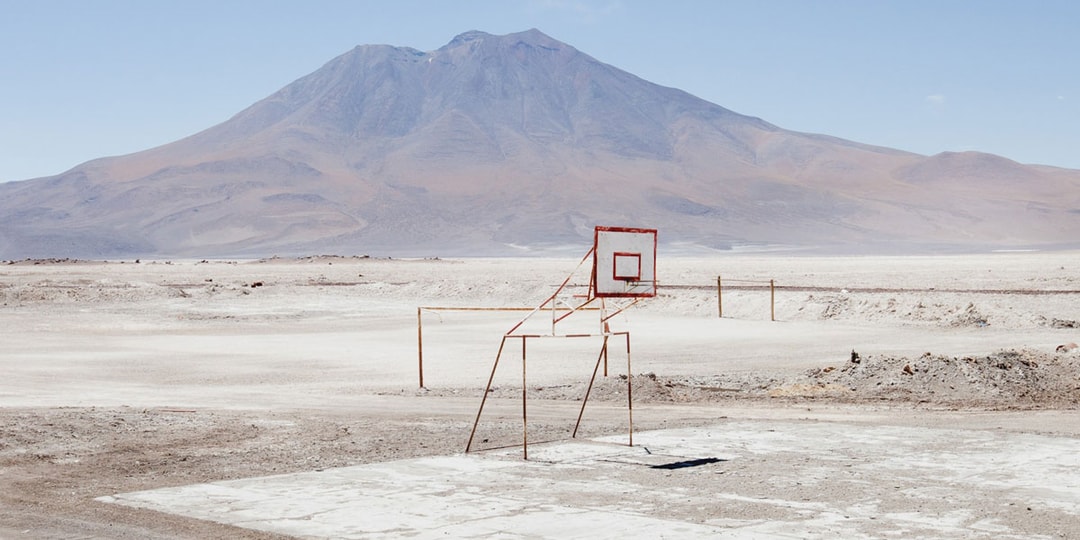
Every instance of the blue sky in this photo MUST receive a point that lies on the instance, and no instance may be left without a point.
(83, 79)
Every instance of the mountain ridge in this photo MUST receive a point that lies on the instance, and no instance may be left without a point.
(491, 143)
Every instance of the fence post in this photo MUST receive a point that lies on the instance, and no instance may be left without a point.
(420, 344)
(719, 299)
(772, 300)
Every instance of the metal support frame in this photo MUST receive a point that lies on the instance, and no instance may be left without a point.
(601, 357)
(561, 308)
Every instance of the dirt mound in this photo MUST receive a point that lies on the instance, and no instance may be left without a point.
(949, 310)
(50, 261)
(1013, 378)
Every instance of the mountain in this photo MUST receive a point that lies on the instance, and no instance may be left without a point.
(519, 144)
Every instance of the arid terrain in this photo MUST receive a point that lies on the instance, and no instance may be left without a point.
(125, 376)
(517, 144)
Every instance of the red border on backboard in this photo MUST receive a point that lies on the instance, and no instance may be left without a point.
(596, 237)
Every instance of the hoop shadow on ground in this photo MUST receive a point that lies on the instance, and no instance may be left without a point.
(685, 464)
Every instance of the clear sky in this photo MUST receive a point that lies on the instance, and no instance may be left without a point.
(82, 79)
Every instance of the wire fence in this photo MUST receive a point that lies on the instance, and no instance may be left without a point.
(728, 284)
(752, 283)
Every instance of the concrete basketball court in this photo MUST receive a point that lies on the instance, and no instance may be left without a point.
(736, 479)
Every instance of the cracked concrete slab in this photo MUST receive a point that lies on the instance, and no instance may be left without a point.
(738, 479)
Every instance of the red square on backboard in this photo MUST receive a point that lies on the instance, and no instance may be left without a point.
(626, 266)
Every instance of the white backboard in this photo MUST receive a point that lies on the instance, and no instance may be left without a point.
(624, 262)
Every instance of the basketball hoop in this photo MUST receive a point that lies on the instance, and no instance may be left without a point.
(623, 273)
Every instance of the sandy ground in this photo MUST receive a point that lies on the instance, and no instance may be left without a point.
(125, 376)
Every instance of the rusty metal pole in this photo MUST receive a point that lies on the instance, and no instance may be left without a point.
(605, 329)
(605, 356)
(601, 357)
(607, 332)
(487, 390)
(629, 390)
(524, 417)
(719, 299)
(420, 345)
(772, 300)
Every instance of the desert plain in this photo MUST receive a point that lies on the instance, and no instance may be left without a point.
(891, 397)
